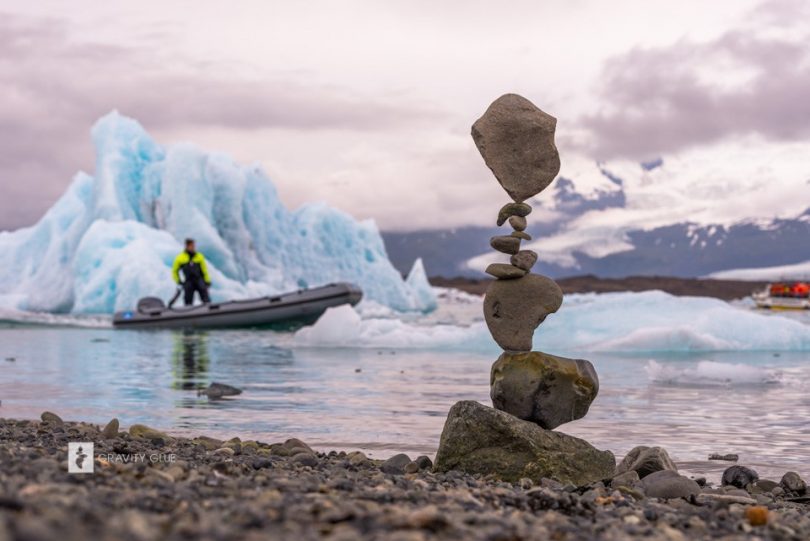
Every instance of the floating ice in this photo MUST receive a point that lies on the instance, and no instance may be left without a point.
(712, 374)
(613, 322)
(342, 326)
(111, 238)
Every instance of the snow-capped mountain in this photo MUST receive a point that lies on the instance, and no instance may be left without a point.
(684, 217)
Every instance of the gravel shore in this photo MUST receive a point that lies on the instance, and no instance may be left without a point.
(148, 485)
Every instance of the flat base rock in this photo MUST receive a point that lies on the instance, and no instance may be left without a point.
(480, 439)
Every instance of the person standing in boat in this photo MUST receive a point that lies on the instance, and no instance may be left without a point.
(195, 273)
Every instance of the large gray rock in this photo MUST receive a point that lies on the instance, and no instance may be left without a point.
(668, 484)
(646, 460)
(516, 140)
(543, 388)
(479, 439)
(514, 308)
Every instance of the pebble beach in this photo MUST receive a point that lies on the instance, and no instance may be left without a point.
(150, 485)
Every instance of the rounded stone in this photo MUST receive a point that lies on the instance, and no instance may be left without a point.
(521, 235)
(518, 223)
(668, 484)
(516, 140)
(646, 460)
(505, 243)
(792, 482)
(110, 430)
(544, 389)
(514, 308)
(502, 271)
(53, 419)
(739, 476)
(520, 210)
(524, 259)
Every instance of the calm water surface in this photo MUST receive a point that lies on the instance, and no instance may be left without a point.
(385, 401)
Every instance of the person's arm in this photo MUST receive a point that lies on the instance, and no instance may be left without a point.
(204, 269)
(176, 268)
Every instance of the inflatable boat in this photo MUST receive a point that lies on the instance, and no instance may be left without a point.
(287, 311)
(784, 296)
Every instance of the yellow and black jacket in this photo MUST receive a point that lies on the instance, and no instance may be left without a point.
(193, 267)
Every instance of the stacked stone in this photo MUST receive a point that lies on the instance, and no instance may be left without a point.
(534, 391)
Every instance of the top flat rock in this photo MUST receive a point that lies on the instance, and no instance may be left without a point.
(516, 140)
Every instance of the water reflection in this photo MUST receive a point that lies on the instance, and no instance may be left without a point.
(190, 360)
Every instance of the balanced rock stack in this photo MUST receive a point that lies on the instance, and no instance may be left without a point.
(533, 391)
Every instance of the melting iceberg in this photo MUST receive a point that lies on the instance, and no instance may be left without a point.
(650, 321)
(111, 238)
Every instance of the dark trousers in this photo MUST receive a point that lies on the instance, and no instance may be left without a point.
(190, 286)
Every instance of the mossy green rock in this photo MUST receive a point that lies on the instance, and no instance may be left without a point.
(542, 388)
(148, 433)
(480, 439)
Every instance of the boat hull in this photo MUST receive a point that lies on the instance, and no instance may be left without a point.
(781, 303)
(287, 311)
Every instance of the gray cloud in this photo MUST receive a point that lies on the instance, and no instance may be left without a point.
(55, 87)
(656, 101)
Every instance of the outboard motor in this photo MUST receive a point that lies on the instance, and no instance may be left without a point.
(150, 305)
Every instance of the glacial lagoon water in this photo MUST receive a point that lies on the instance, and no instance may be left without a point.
(385, 400)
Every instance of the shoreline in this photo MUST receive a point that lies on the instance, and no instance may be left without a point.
(214, 489)
(726, 290)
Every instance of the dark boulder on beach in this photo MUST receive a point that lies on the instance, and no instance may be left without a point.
(646, 460)
(542, 388)
(739, 476)
(480, 439)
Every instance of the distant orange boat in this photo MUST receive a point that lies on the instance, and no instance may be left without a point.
(784, 296)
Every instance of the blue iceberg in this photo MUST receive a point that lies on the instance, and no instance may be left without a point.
(111, 238)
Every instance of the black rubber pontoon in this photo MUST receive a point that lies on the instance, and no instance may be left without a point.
(289, 310)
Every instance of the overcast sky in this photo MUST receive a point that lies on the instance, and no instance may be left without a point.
(368, 105)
